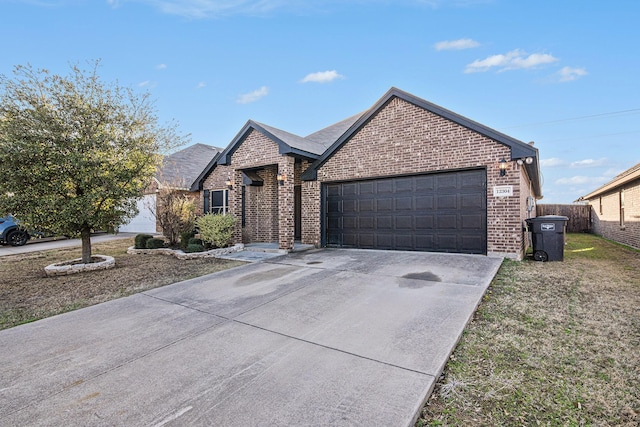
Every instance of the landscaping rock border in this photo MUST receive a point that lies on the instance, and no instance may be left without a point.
(213, 253)
(67, 267)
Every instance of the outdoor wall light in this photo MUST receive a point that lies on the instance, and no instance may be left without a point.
(281, 178)
(503, 167)
(527, 160)
(228, 183)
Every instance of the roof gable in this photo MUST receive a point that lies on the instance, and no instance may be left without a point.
(621, 179)
(288, 143)
(518, 148)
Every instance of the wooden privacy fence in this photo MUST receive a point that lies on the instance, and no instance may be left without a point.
(579, 215)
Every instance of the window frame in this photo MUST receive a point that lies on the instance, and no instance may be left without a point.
(222, 208)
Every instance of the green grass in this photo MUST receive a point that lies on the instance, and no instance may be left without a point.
(553, 344)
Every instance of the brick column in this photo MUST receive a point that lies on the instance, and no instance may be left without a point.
(235, 204)
(286, 221)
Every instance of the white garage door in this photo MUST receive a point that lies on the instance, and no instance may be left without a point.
(145, 221)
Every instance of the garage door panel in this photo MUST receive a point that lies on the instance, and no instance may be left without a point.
(367, 188)
(349, 222)
(404, 203)
(385, 186)
(471, 222)
(446, 182)
(367, 240)
(424, 183)
(384, 222)
(334, 207)
(425, 242)
(367, 223)
(447, 221)
(404, 185)
(349, 189)
(447, 201)
(435, 212)
(349, 206)
(471, 201)
(367, 205)
(425, 222)
(447, 242)
(385, 204)
(404, 222)
(350, 240)
(334, 190)
(424, 203)
(404, 242)
(472, 244)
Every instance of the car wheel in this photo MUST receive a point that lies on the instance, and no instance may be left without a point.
(540, 256)
(17, 238)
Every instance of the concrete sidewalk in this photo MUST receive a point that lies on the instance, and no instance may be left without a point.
(36, 245)
(322, 337)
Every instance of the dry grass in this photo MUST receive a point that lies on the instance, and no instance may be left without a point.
(552, 344)
(27, 294)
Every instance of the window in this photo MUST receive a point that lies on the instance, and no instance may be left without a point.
(216, 201)
(600, 210)
(622, 208)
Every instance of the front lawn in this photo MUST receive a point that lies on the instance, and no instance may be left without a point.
(552, 344)
(27, 294)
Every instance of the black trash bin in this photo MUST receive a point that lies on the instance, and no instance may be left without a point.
(547, 237)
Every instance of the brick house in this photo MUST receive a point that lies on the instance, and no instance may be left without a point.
(405, 174)
(178, 172)
(615, 208)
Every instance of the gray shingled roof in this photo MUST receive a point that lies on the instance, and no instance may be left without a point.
(330, 134)
(182, 168)
(294, 141)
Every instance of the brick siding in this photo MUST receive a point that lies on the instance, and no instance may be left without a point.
(404, 139)
(605, 214)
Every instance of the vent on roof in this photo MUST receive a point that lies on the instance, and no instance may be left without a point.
(251, 178)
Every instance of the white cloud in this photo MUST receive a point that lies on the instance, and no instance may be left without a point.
(161, 66)
(589, 163)
(581, 180)
(515, 59)
(322, 77)
(211, 8)
(144, 83)
(569, 74)
(456, 44)
(201, 85)
(250, 97)
(201, 9)
(553, 162)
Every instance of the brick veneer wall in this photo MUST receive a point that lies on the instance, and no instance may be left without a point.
(269, 212)
(403, 139)
(525, 192)
(606, 221)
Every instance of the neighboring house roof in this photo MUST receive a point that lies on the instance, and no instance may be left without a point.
(625, 177)
(181, 169)
(518, 148)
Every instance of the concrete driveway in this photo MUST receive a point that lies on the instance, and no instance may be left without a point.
(323, 337)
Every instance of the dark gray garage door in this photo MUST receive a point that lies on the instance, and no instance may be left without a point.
(442, 212)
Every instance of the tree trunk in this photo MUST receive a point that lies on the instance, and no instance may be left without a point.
(85, 234)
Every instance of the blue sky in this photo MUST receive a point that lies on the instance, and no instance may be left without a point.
(561, 73)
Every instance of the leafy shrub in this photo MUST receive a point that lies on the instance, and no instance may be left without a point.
(175, 213)
(185, 238)
(193, 247)
(216, 229)
(194, 241)
(141, 240)
(154, 243)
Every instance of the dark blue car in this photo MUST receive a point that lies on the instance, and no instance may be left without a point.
(11, 233)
